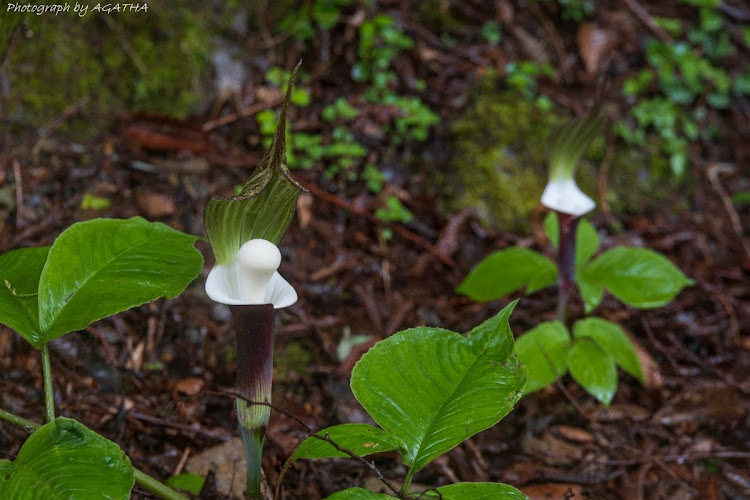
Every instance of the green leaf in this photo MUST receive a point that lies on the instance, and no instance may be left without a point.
(64, 460)
(591, 292)
(103, 266)
(544, 351)
(91, 202)
(594, 369)
(360, 439)
(613, 340)
(477, 491)
(192, 483)
(19, 282)
(507, 270)
(434, 388)
(637, 276)
(587, 239)
(741, 197)
(265, 206)
(358, 494)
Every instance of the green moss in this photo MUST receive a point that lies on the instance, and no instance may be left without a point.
(499, 155)
(152, 61)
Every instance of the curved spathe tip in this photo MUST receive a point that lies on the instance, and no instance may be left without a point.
(565, 196)
(223, 285)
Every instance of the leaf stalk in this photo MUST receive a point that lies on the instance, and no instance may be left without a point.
(49, 391)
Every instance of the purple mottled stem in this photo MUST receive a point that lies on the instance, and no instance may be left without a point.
(254, 326)
(566, 262)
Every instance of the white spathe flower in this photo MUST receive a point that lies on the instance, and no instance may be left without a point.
(565, 196)
(252, 279)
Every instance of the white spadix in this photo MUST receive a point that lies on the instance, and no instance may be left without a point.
(252, 278)
(258, 259)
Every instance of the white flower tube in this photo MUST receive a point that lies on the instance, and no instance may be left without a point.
(252, 279)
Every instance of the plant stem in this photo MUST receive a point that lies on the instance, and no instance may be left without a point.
(27, 425)
(253, 440)
(156, 487)
(254, 328)
(49, 391)
(141, 478)
(566, 262)
(407, 481)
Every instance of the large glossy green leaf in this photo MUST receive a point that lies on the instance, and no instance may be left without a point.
(637, 276)
(613, 339)
(587, 239)
(544, 351)
(507, 270)
(360, 439)
(264, 208)
(434, 388)
(358, 494)
(103, 266)
(19, 282)
(477, 491)
(594, 369)
(63, 460)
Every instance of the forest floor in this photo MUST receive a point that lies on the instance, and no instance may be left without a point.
(148, 377)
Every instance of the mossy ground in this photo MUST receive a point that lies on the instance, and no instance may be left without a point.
(156, 61)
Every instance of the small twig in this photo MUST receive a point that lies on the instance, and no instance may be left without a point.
(244, 113)
(310, 432)
(55, 122)
(661, 347)
(11, 45)
(734, 324)
(187, 429)
(182, 462)
(706, 366)
(713, 173)
(127, 47)
(645, 17)
(108, 352)
(335, 200)
(19, 194)
(575, 402)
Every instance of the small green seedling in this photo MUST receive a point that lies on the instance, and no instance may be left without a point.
(93, 270)
(428, 389)
(639, 277)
